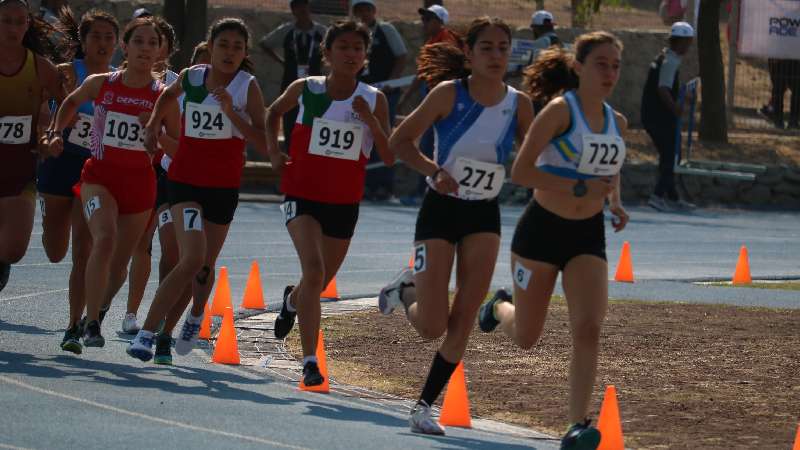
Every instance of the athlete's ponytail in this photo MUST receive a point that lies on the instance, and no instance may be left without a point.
(237, 25)
(553, 72)
(446, 61)
(75, 33)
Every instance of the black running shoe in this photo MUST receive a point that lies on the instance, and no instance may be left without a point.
(163, 353)
(581, 436)
(103, 312)
(92, 336)
(5, 271)
(311, 374)
(285, 320)
(486, 319)
(72, 340)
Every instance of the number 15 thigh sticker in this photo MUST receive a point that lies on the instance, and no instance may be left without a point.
(334, 139)
(92, 205)
(192, 221)
(602, 154)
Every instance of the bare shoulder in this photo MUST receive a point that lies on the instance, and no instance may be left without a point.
(622, 121)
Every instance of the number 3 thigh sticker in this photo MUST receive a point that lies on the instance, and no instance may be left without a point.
(91, 206)
(522, 276)
(192, 220)
(420, 258)
(164, 218)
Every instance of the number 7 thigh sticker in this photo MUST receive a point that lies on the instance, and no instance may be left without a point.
(522, 276)
(164, 218)
(420, 258)
(92, 205)
(192, 220)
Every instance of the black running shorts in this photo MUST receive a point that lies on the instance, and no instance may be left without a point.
(217, 204)
(337, 221)
(452, 219)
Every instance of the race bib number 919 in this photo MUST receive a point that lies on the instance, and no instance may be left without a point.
(602, 155)
(207, 122)
(123, 131)
(478, 180)
(15, 129)
(334, 139)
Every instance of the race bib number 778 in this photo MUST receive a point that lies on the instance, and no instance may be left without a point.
(15, 129)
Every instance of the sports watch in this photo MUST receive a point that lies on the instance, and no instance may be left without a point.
(580, 189)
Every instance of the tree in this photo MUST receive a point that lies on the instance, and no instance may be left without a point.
(189, 18)
(583, 10)
(713, 122)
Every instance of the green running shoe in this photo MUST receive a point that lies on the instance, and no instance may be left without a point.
(163, 353)
(72, 340)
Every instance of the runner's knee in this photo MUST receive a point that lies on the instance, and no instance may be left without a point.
(586, 333)
(204, 275)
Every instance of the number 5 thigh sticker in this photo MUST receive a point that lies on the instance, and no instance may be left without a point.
(522, 276)
(164, 218)
(420, 258)
(192, 220)
(92, 205)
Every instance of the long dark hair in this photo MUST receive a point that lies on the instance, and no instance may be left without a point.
(40, 37)
(237, 25)
(444, 61)
(553, 72)
(75, 33)
(168, 33)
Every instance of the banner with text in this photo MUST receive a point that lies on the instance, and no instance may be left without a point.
(770, 29)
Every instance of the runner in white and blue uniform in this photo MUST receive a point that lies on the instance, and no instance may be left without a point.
(476, 118)
(571, 157)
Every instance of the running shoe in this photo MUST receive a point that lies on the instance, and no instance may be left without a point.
(163, 354)
(103, 312)
(129, 325)
(5, 271)
(486, 319)
(658, 203)
(681, 205)
(422, 421)
(311, 374)
(285, 320)
(141, 346)
(581, 436)
(92, 336)
(188, 336)
(391, 296)
(72, 340)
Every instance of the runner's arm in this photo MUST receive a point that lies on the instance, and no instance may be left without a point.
(378, 123)
(165, 100)
(172, 126)
(524, 116)
(254, 131)
(69, 107)
(285, 103)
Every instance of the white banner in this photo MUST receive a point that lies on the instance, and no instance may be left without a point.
(770, 29)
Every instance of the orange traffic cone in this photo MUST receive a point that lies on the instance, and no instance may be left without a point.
(330, 292)
(411, 262)
(226, 349)
(205, 326)
(222, 293)
(325, 387)
(625, 266)
(609, 423)
(742, 273)
(797, 440)
(455, 409)
(253, 294)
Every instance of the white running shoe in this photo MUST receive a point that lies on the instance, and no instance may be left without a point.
(129, 325)
(422, 422)
(391, 296)
(659, 204)
(141, 346)
(188, 336)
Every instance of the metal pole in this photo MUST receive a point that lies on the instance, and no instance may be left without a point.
(733, 55)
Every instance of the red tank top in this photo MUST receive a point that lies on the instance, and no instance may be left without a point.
(118, 135)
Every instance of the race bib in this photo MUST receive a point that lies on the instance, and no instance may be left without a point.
(207, 122)
(478, 180)
(15, 129)
(81, 134)
(123, 131)
(302, 71)
(333, 139)
(602, 155)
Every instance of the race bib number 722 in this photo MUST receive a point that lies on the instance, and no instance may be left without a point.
(601, 155)
(15, 129)
(341, 140)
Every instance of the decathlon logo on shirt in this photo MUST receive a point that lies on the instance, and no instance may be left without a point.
(147, 104)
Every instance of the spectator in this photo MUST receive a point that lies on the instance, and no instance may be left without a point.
(672, 11)
(387, 59)
(784, 75)
(300, 41)
(544, 35)
(660, 113)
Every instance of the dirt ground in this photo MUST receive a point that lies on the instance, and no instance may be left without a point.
(687, 376)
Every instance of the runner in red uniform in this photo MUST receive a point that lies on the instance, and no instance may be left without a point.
(117, 186)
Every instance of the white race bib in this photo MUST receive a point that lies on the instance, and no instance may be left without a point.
(207, 122)
(15, 129)
(123, 131)
(478, 180)
(602, 155)
(81, 134)
(334, 139)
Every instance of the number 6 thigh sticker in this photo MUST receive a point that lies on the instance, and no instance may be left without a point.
(192, 220)
(92, 205)
(164, 218)
(420, 258)
(522, 276)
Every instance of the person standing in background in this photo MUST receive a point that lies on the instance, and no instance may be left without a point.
(386, 60)
(300, 41)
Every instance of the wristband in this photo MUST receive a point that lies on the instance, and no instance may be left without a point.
(433, 177)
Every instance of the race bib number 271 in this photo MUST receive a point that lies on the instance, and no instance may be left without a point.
(478, 180)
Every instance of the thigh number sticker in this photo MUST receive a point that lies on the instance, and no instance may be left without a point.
(192, 220)
(420, 258)
(289, 210)
(164, 218)
(91, 206)
(522, 276)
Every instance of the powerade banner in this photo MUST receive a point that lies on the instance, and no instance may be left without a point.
(770, 28)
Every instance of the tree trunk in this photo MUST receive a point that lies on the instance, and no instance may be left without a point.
(175, 14)
(579, 15)
(195, 31)
(713, 124)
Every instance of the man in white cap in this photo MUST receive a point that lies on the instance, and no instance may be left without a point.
(543, 26)
(660, 113)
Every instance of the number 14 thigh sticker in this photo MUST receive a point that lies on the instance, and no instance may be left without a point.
(602, 154)
(192, 221)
